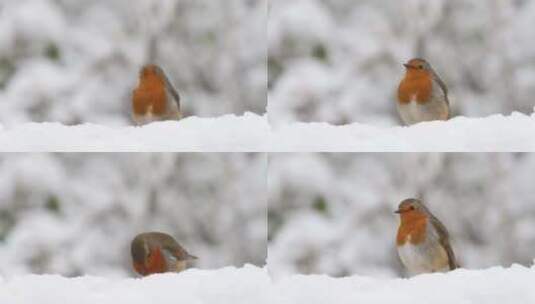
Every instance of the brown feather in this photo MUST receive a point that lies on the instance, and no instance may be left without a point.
(444, 241)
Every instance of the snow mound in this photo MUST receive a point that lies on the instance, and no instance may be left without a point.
(496, 133)
(252, 284)
(494, 285)
(192, 134)
(252, 133)
(228, 285)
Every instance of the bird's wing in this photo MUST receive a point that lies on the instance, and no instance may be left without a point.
(173, 92)
(444, 241)
(177, 251)
(171, 89)
(441, 84)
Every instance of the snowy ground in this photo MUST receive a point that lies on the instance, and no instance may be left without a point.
(227, 285)
(253, 285)
(495, 285)
(496, 133)
(226, 133)
(252, 133)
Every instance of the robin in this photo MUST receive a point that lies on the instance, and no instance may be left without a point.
(422, 95)
(157, 252)
(154, 98)
(422, 242)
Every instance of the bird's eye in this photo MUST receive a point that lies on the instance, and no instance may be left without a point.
(411, 208)
(420, 67)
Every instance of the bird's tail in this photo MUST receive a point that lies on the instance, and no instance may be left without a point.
(191, 257)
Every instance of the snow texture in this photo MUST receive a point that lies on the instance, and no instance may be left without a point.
(494, 285)
(253, 133)
(496, 133)
(253, 285)
(228, 133)
(227, 285)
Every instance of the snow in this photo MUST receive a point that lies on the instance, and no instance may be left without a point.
(252, 133)
(226, 285)
(226, 133)
(495, 133)
(252, 284)
(494, 285)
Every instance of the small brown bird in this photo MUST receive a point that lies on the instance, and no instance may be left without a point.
(422, 240)
(154, 98)
(157, 252)
(422, 95)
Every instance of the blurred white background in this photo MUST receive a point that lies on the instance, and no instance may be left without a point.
(333, 213)
(76, 214)
(340, 61)
(78, 61)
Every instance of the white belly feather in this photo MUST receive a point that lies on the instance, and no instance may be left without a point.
(428, 256)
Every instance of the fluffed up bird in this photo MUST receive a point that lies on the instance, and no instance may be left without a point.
(157, 252)
(154, 98)
(422, 95)
(422, 241)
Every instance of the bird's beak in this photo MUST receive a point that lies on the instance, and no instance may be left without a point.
(408, 66)
(397, 211)
(192, 257)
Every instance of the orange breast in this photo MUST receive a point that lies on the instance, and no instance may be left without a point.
(417, 85)
(150, 96)
(155, 264)
(412, 228)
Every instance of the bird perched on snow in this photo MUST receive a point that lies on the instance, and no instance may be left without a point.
(154, 98)
(422, 241)
(157, 252)
(422, 95)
